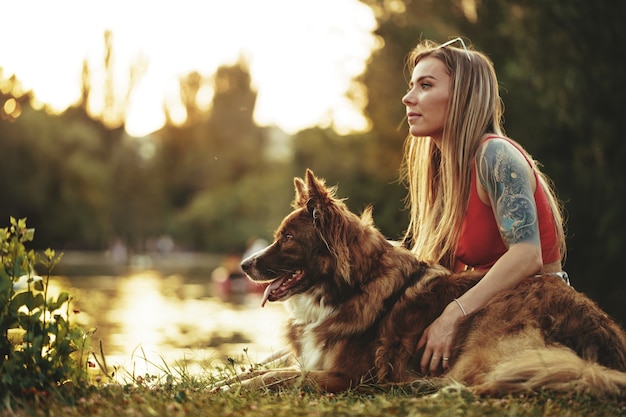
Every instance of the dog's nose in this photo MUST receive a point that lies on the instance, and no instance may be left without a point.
(248, 263)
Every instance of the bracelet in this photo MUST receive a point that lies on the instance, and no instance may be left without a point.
(460, 306)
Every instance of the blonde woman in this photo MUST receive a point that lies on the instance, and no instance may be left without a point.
(477, 198)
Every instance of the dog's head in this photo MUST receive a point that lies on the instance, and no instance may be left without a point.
(312, 247)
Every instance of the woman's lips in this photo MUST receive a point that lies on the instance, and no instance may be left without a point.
(412, 116)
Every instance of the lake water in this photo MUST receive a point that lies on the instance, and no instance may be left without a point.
(149, 320)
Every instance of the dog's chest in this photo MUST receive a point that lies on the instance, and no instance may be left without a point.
(307, 315)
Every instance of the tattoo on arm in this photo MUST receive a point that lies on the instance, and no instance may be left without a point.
(502, 171)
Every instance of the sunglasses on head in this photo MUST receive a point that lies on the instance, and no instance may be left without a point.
(451, 41)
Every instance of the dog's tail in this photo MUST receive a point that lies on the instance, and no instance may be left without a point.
(555, 369)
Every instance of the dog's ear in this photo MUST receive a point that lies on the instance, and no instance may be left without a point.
(329, 217)
(312, 193)
(302, 194)
(319, 194)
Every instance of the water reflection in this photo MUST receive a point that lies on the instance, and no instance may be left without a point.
(147, 321)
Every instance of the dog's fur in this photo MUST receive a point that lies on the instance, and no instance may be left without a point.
(359, 305)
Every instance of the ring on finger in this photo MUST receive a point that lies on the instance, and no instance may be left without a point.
(445, 359)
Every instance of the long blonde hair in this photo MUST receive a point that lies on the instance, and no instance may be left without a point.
(439, 177)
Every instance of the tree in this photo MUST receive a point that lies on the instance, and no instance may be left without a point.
(112, 106)
(214, 167)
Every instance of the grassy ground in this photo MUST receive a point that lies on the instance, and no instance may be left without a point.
(185, 395)
(176, 392)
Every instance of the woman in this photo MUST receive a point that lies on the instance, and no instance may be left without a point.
(478, 200)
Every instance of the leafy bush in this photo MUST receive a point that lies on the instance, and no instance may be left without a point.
(50, 350)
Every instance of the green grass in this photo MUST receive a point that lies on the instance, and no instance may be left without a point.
(176, 400)
(177, 393)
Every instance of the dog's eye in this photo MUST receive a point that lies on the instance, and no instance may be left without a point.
(287, 237)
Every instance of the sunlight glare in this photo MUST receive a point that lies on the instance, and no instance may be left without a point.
(153, 318)
(11, 106)
(140, 311)
(205, 97)
(301, 54)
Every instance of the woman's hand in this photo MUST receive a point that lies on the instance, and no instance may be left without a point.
(437, 341)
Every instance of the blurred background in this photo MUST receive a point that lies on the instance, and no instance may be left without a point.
(162, 137)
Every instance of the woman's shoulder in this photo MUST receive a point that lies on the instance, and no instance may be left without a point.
(498, 155)
(491, 138)
(492, 145)
(499, 160)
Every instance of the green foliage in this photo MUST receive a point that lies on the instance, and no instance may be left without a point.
(45, 355)
(217, 219)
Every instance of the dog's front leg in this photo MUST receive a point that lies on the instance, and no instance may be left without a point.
(282, 358)
(239, 379)
(274, 379)
(289, 378)
(325, 380)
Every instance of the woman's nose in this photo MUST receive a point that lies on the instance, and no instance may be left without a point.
(408, 99)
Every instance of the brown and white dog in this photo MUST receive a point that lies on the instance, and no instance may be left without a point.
(358, 305)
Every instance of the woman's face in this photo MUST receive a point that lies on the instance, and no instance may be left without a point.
(427, 99)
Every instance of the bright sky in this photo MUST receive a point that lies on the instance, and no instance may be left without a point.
(301, 53)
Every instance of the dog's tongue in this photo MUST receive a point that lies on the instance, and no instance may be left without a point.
(271, 287)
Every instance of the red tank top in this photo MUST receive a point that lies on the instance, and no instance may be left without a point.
(481, 245)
